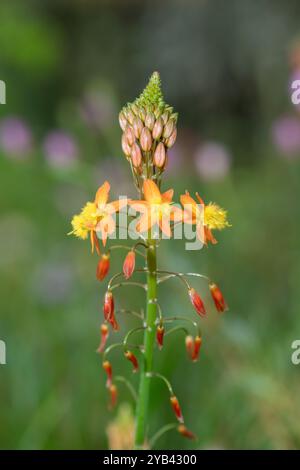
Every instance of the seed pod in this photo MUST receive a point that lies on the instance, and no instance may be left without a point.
(146, 139)
(159, 158)
(137, 127)
(136, 155)
(171, 140)
(150, 121)
(129, 134)
(168, 129)
(125, 146)
(157, 129)
(122, 121)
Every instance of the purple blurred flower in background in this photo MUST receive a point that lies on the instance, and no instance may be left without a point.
(52, 283)
(98, 109)
(286, 136)
(213, 161)
(60, 149)
(15, 137)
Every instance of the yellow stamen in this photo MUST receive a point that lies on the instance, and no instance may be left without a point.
(85, 221)
(215, 217)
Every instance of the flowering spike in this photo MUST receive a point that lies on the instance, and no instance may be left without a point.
(160, 331)
(113, 395)
(185, 432)
(197, 302)
(103, 267)
(104, 336)
(108, 369)
(197, 346)
(218, 298)
(190, 345)
(129, 264)
(132, 358)
(176, 408)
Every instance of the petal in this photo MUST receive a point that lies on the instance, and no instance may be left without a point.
(115, 206)
(145, 222)
(102, 194)
(151, 192)
(139, 206)
(176, 214)
(164, 224)
(167, 196)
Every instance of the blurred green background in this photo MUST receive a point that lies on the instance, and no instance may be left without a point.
(226, 67)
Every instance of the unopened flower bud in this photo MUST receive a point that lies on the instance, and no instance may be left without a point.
(125, 146)
(104, 335)
(129, 264)
(146, 139)
(165, 117)
(142, 113)
(136, 155)
(197, 346)
(189, 344)
(176, 408)
(129, 134)
(172, 139)
(197, 302)
(130, 116)
(218, 298)
(122, 121)
(150, 120)
(109, 306)
(160, 331)
(158, 129)
(132, 358)
(113, 395)
(108, 370)
(159, 158)
(137, 127)
(103, 267)
(168, 129)
(184, 431)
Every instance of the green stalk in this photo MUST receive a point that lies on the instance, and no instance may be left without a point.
(149, 338)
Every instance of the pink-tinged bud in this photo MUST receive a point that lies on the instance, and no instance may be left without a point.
(158, 128)
(137, 127)
(113, 395)
(146, 139)
(197, 346)
(129, 134)
(159, 158)
(142, 113)
(168, 129)
(104, 335)
(103, 267)
(125, 146)
(108, 370)
(129, 264)
(185, 432)
(160, 331)
(218, 298)
(189, 345)
(176, 408)
(136, 155)
(165, 117)
(122, 121)
(197, 302)
(172, 139)
(130, 116)
(132, 358)
(109, 306)
(150, 121)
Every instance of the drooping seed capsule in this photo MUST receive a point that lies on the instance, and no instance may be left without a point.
(197, 302)
(129, 264)
(129, 134)
(172, 139)
(125, 146)
(104, 335)
(146, 139)
(132, 358)
(150, 121)
(137, 127)
(113, 395)
(218, 298)
(158, 129)
(108, 370)
(159, 158)
(103, 267)
(109, 306)
(189, 345)
(122, 121)
(185, 432)
(136, 155)
(197, 346)
(160, 331)
(176, 408)
(168, 129)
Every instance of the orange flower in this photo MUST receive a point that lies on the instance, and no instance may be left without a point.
(218, 298)
(129, 264)
(157, 208)
(103, 267)
(197, 302)
(206, 218)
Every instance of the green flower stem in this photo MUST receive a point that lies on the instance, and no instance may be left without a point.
(149, 338)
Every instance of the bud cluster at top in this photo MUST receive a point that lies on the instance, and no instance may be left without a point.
(149, 130)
